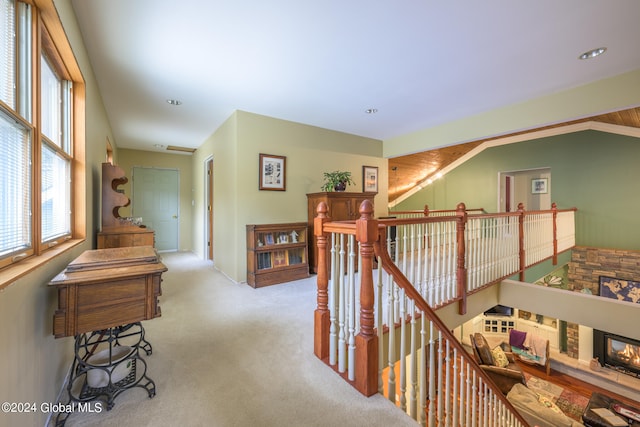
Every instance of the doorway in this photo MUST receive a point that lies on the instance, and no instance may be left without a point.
(520, 187)
(208, 185)
(156, 195)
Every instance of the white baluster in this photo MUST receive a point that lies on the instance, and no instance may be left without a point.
(423, 369)
(353, 314)
(342, 310)
(403, 350)
(333, 292)
(392, 340)
(379, 329)
(413, 374)
(432, 380)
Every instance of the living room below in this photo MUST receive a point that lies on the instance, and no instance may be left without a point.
(600, 282)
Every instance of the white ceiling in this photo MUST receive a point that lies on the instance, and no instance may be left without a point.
(418, 62)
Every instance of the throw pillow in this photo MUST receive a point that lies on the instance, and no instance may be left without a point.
(547, 402)
(516, 338)
(483, 349)
(499, 358)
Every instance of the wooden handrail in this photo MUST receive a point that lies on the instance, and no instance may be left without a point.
(389, 266)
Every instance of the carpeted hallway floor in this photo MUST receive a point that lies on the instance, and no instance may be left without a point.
(225, 354)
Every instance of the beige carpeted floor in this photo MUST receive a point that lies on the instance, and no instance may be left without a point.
(225, 354)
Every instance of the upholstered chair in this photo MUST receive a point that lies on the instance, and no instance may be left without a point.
(498, 364)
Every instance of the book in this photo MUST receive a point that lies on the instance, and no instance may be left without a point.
(279, 259)
(609, 417)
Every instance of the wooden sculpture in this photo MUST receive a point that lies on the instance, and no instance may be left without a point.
(112, 200)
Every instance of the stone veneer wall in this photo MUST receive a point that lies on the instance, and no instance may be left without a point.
(573, 340)
(588, 264)
(586, 267)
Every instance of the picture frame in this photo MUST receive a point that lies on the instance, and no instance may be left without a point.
(273, 172)
(370, 179)
(619, 289)
(539, 186)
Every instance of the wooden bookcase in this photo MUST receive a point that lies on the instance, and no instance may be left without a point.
(276, 253)
(342, 205)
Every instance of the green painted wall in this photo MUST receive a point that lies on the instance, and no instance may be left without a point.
(594, 171)
(309, 152)
(128, 159)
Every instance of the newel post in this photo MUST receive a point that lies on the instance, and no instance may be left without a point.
(321, 322)
(461, 271)
(426, 210)
(366, 341)
(523, 262)
(554, 209)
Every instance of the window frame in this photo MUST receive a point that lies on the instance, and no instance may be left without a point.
(48, 37)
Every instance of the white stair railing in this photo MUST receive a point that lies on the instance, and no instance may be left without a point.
(419, 365)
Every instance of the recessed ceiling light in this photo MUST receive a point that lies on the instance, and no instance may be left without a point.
(593, 53)
(174, 102)
(371, 110)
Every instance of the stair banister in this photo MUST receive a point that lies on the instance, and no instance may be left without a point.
(321, 319)
(389, 266)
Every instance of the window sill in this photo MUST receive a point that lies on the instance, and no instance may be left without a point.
(22, 268)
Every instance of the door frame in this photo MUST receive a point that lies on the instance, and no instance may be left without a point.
(208, 208)
(133, 168)
(515, 195)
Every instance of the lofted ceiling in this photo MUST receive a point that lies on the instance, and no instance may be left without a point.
(405, 172)
(418, 63)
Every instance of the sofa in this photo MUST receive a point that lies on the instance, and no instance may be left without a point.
(536, 410)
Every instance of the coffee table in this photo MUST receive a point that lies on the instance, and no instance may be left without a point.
(600, 401)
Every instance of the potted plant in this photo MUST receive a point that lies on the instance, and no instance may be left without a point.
(336, 181)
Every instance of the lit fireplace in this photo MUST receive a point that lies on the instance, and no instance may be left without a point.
(617, 352)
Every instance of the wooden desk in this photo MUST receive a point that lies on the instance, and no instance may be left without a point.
(126, 235)
(106, 288)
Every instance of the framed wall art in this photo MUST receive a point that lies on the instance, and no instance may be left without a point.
(273, 172)
(370, 179)
(539, 186)
(620, 289)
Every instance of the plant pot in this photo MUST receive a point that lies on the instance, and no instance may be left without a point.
(341, 186)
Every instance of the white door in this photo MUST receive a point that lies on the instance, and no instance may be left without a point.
(155, 199)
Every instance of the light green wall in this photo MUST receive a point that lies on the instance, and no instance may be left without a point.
(34, 363)
(222, 147)
(612, 94)
(309, 152)
(594, 171)
(128, 159)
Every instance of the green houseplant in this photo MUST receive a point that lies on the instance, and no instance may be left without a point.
(337, 181)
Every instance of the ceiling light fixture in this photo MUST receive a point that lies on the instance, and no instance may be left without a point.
(593, 53)
(158, 145)
(174, 102)
(371, 110)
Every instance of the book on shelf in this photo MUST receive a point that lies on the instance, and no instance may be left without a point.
(295, 257)
(279, 258)
(264, 260)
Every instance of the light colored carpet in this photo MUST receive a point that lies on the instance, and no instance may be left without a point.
(225, 354)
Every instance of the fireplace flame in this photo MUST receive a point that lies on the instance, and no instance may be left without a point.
(630, 354)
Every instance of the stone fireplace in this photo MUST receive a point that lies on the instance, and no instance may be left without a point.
(617, 352)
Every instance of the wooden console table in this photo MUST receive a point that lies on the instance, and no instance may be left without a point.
(103, 295)
(126, 235)
(105, 288)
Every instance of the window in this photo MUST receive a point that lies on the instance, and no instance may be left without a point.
(41, 175)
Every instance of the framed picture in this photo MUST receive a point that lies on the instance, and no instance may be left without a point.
(370, 179)
(620, 289)
(539, 186)
(273, 172)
